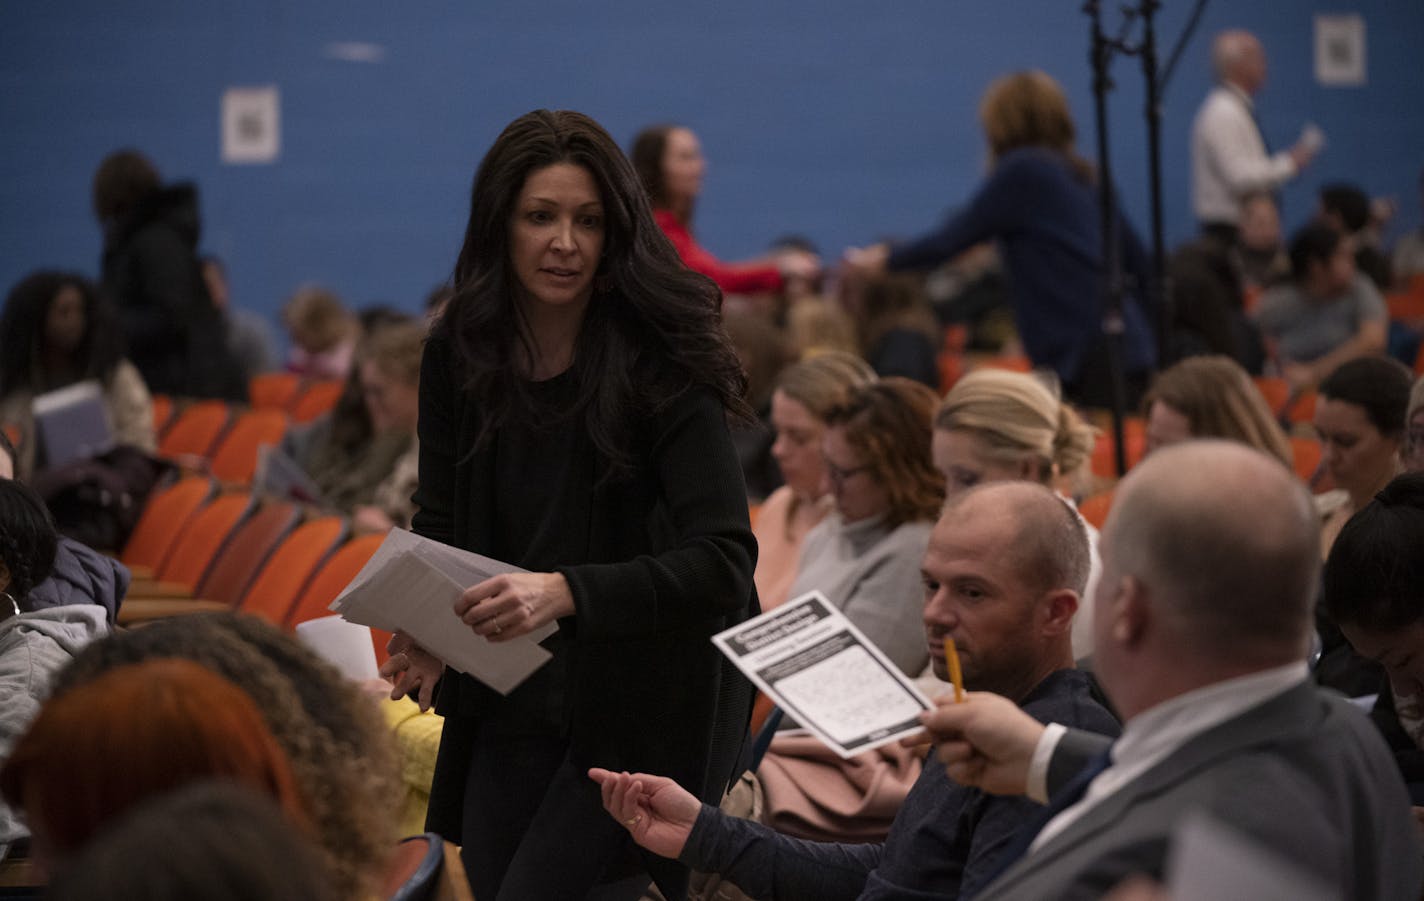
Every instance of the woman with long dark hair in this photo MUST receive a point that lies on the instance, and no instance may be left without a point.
(573, 421)
(57, 330)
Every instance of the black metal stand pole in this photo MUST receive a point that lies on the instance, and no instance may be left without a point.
(1112, 323)
(1159, 292)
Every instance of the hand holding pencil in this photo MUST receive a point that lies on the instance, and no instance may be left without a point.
(983, 739)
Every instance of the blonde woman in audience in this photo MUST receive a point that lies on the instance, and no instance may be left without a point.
(1360, 418)
(865, 556)
(362, 456)
(805, 395)
(323, 332)
(389, 372)
(1211, 397)
(997, 425)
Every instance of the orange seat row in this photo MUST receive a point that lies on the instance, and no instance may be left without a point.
(234, 551)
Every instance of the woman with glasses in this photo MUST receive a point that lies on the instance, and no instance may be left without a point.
(865, 556)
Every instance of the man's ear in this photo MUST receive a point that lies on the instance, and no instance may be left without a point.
(1057, 609)
(1129, 612)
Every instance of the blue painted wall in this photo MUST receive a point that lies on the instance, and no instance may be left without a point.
(842, 121)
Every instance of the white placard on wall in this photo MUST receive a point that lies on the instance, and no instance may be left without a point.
(251, 125)
(1340, 50)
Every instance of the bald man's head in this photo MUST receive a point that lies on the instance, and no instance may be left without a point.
(1226, 543)
(1051, 544)
(1237, 58)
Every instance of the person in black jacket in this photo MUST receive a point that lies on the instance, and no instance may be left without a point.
(574, 399)
(176, 336)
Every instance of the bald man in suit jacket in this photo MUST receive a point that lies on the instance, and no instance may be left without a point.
(1202, 624)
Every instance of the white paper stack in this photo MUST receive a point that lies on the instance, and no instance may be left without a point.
(411, 585)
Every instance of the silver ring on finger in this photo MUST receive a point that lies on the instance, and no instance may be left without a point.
(497, 629)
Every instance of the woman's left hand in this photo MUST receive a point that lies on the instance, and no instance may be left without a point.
(514, 604)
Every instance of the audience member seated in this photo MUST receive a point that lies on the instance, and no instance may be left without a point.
(208, 841)
(81, 574)
(133, 733)
(1041, 201)
(1328, 314)
(1208, 303)
(56, 330)
(1374, 591)
(174, 334)
(996, 425)
(804, 396)
(1412, 456)
(898, 332)
(249, 334)
(1261, 250)
(816, 325)
(762, 352)
(668, 159)
(323, 332)
(34, 642)
(863, 555)
(362, 455)
(1346, 208)
(1211, 397)
(1203, 614)
(389, 371)
(1359, 418)
(330, 732)
(1407, 261)
(1003, 574)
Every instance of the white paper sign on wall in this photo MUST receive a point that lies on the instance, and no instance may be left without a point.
(251, 125)
(1340, 50)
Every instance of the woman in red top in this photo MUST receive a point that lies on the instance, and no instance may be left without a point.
(669, 162)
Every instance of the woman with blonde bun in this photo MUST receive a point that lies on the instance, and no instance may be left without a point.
(997, 425)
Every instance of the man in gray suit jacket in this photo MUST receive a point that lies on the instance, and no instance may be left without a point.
(1202, 618)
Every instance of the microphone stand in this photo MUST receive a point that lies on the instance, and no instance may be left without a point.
(1158, 294)
(1100, 57)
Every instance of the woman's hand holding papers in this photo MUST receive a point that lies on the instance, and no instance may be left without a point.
(513, 604)
(985, 741)
(411, 669)
(655, 810)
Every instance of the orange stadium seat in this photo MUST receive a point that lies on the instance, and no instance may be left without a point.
(163, 519)
(274, 592)
(317, 398)
(273, 390)
(235, 458)
(200, 542)
(196, 430)
(333, 576)
(247, 551)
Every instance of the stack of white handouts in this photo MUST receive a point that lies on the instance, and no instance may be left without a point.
(411, 585)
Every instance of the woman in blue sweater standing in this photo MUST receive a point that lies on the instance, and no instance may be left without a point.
(1040, 201)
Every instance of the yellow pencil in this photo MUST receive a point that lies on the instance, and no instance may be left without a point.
(951, 657)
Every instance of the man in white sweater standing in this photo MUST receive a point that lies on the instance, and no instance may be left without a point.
(1230, 158)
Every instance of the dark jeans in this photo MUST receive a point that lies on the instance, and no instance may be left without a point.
(535, 827)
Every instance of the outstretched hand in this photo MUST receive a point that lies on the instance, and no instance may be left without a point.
(986, 741)
(655, 810)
